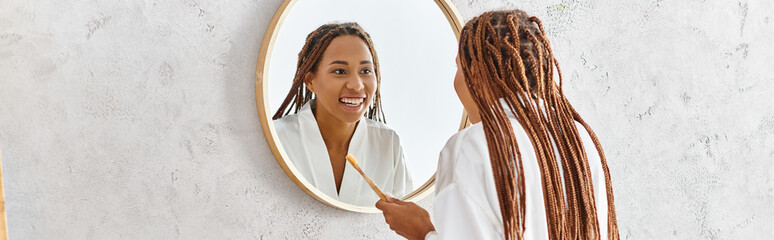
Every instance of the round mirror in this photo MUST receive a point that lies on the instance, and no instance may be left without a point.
(373, 79)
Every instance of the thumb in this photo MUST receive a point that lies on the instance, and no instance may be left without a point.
(381, 204)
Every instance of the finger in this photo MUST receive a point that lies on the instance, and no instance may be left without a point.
(381, 204)
(389, 195)
(397, 201)
(401, 233)
(389, 199)
(393, 200)
(392, 227)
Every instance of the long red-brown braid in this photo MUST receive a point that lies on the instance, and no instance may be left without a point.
(309, 57)
(505, 56)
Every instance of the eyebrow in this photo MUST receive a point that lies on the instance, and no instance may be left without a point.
(345, 62)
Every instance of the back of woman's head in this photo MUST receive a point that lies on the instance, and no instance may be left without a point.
(309, 58)
(507, 46)
(506, 58)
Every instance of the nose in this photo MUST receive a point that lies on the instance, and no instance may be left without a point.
(355, 83)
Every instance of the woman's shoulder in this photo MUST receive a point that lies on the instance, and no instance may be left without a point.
(294, 119)
(287, 118)
(470, 144)
(470, 134)
(466, 147)
(285, 122)
(380, 130)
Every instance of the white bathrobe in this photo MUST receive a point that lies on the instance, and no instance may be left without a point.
(375, 146)
(466, 204)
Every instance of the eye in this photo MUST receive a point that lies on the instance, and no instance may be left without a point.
(366, 71)
(339, 71)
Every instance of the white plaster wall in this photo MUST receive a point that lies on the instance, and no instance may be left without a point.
(126, 120)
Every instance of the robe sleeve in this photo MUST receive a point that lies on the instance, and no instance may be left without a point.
(459, 213)
(458, 216)
(401, 181)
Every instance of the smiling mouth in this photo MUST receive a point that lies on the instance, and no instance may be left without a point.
(352, 102)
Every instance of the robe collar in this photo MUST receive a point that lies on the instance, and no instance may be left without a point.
(351, 182)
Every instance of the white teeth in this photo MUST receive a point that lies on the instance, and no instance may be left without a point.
(351, 101)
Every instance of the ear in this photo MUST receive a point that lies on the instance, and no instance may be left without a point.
(309, 81)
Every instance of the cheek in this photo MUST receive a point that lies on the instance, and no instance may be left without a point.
(463, 93)
(325, 88)
(370, 86)
(460, 87)
(457, 84)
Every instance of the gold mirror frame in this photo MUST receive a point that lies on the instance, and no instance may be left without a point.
(3, 220)
(261, 98)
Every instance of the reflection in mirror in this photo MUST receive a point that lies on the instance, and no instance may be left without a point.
(335, 103)
(367, 78)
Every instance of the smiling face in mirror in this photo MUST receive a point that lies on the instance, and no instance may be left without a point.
(337, 66)
(323, 88)
(344, 82)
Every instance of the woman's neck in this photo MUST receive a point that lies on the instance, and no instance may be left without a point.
(335, 133)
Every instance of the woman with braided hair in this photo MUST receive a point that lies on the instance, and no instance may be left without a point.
(529, 167)
(336, 110)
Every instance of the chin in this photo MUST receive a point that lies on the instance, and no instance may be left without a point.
(348, 118)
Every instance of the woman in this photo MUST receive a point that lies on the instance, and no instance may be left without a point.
(526, 168)
(336, 81)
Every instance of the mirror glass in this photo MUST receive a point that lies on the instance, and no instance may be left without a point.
(415, 47)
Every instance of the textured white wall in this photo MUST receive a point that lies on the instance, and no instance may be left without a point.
(138, 120)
